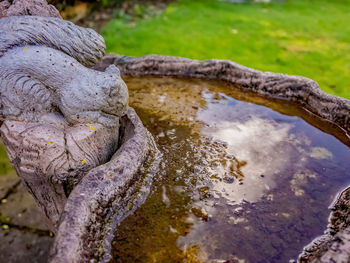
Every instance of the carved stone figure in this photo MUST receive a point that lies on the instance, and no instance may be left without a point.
(69, 133)
(61, 119)
(27, 7)
(68, 130)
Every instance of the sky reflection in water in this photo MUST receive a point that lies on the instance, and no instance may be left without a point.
(244, 182)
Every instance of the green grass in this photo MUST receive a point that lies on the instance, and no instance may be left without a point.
(302, 37)
(5, 166)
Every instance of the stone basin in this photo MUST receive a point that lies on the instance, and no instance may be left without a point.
(162, 101)
(208, 203)
(106, 195)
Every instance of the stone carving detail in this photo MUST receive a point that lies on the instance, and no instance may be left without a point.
(69, 133)
(27, 7)
(61, 119)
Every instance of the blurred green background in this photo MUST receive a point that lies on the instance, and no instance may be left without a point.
(302, 37)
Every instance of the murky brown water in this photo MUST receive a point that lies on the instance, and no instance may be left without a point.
(242, 179)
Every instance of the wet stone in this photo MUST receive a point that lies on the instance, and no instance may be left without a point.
(19, 246)
(22, 210)
(23, 233)
(7, 183)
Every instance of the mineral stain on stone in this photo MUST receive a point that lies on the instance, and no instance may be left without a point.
(246, 179)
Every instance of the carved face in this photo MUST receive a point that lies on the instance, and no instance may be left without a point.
(99, 97)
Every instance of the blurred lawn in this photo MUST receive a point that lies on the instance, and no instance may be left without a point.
(302, 37)
(5, 166)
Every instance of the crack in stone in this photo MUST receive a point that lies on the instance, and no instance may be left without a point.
(10, 191)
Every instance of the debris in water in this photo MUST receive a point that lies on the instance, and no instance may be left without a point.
(165, 198)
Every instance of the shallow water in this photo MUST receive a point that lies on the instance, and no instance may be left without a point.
(242, 179)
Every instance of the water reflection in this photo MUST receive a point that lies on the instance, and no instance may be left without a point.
(240, 182)
(264, 145)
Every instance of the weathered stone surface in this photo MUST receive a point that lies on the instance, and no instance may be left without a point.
(7, 183)
(334, 245)
(79, 94)
(78, 148)
(21, 211)
(82, 44)
(27, 7)
(23, 232)
(20, 247)
(105, 196)
(50, 160)
(61, 119)
(301, 90)
(85, 201)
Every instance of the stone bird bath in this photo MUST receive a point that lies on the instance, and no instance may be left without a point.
(84, 154)
(334, 245)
